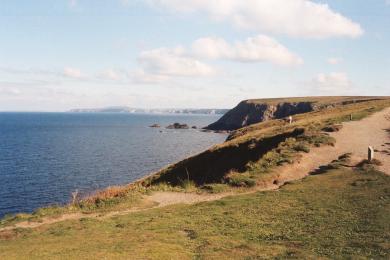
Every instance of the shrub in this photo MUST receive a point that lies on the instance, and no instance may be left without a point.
(187, 184)
(162, 186)
(215, 188)
(301, 147)
(332, 128)
(345, 158)
(240, 179)
(318, 139)
(373, 162)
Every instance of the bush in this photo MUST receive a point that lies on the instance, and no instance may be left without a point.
(332, 128)
(240, 179)
(345, 158)
(318, 139)
(215, 188)
(301, 147)
(187, 184)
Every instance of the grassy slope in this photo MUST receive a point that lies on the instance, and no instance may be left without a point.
(257, 168)
(318, 100)
(343, 213)
(236, 153)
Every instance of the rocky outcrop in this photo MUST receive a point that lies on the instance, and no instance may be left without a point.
(247, 113)
(178, 126)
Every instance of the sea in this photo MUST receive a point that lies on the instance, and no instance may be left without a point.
(44, 157)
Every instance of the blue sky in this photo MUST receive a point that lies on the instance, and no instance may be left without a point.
(63, 54)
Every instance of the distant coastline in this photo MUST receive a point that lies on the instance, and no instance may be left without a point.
(123, 109)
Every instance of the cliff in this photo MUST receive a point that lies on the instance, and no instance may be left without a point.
(254, 111)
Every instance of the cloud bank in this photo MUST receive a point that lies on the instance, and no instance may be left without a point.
(160, 64)
(298, 18)
(173, 62)
(332, 83)
(255, 49)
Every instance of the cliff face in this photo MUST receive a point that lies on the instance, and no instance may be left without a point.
(247, 113)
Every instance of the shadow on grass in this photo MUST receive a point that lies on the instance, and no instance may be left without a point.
(211, 166)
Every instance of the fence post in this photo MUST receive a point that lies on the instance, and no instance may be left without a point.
(370, 153)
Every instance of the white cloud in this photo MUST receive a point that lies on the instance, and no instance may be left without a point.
(335, 83)
(110, 74)
(300, 18)
(167, 62)
(72, 73)
(161, 64)
(257, 49)
(334, 60)
(142, 77)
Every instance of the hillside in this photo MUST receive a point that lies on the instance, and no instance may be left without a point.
(253, 111)
(246, 147)
(218, 203)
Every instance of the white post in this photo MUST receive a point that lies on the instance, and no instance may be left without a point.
(290, 119)
(370, 153)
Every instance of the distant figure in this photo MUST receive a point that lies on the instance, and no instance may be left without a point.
(290, 120)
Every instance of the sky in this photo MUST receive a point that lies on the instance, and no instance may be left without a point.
(56, 55)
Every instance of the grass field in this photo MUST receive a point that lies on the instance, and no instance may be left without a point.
(342, 213)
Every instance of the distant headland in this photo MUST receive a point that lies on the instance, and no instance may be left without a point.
(124, 109)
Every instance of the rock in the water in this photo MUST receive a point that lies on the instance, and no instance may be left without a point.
(178, 126)
(194, 127)
(155, 126)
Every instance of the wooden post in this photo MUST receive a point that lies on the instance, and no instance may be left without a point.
(370, 153)
(350, 117)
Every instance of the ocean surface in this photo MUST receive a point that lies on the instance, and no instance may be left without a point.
(46, 156)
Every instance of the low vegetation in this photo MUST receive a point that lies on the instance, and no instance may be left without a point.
(338, 212)
(244, 160)
(341, 213)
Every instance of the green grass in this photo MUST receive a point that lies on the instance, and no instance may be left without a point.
(326, 100)
(124, 197)
(216, 188)
(340, 214)
(127, 200)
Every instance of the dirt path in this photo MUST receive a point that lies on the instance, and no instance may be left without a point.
(354, 137)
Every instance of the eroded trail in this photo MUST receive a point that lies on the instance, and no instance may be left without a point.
(354, 137)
